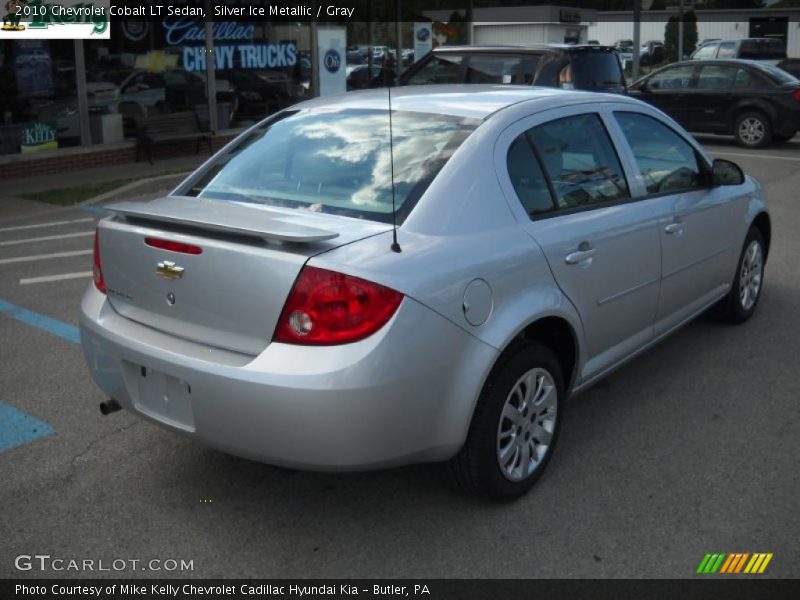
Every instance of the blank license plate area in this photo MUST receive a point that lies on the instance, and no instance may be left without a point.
(165, 398)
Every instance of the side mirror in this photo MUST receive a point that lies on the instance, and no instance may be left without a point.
(725, 172)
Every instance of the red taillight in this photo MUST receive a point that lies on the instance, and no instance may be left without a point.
(796, 95)
(173, 246)
(97, 270)
(326, 308)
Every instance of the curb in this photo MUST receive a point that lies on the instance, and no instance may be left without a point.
(56, 209)
(131, 186)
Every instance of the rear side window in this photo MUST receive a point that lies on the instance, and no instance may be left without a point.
(727, 50)
(442, 68)
(744, 79)
(580, 161)
(596, 69)
(518, 70)
(762, 49)
(527, 177)
(667, 162)
(706, 51)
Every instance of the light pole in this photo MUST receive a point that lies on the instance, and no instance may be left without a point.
(680, 30)
(637, 33)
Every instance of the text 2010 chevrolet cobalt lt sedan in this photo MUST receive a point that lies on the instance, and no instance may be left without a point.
(545, 237)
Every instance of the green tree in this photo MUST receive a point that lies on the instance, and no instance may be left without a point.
(689, 36)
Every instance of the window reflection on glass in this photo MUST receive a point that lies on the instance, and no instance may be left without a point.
(580, 160)
(441, 69)
(518, 70)
(338, 162)
(716, 77)
(159, 68)
(667, 162)
(677, 78)
(38, 100)
(527, 177)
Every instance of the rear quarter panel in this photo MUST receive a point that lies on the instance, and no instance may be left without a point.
(461, 230)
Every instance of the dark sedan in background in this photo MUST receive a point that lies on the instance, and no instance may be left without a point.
(755, 102)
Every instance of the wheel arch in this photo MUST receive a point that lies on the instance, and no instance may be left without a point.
(764, 225)
(753, 105)
(555, 332)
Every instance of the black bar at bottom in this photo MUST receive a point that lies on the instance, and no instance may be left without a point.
(701, 587)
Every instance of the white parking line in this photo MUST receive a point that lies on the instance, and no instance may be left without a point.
(19, 259)
(767, 156)
(47, 238)
(51, 224)
(48, 278)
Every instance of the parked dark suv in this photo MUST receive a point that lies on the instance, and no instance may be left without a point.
(755, 102)
(582, 67)
(768, 49)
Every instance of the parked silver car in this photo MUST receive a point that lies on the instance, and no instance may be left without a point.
(544, 238)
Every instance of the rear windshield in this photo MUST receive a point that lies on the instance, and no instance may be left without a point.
(595, 70)
(762, 49)
(337, 161)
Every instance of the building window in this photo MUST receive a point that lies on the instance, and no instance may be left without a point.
(38, 102)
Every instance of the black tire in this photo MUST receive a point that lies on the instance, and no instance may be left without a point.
(476, 468)
(762, 124)
(731, 309)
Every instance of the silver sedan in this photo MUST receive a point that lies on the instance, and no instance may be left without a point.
(330, 292)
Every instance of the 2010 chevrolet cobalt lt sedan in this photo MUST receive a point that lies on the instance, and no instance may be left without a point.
(269, 307)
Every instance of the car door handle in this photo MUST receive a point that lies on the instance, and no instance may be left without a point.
(674, 228)
(580, 256)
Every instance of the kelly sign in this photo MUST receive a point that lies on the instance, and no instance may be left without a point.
(39, 135)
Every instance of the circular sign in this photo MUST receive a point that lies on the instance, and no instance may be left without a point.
(423, 34)
(135, 31)
(332, 61)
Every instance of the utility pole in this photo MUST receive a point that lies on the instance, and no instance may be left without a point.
(637, 38)
(680, 30)
(637, 33)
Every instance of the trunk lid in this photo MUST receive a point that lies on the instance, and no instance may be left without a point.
(231, 294)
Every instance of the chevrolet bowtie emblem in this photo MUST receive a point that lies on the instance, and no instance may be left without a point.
(169, 270)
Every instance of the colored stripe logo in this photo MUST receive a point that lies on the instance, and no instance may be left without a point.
(733, 563)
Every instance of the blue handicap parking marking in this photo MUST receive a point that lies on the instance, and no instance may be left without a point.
(17, 427)
(48, 324)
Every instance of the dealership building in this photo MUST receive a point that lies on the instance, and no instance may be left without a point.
(187, 85)
(67, 104)
(731, 24)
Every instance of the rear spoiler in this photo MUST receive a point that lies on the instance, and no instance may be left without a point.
(224, 216)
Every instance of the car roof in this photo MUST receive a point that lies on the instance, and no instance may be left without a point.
(522, 48)
(458, 100)
(746, 62)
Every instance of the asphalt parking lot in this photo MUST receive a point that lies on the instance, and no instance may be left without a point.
(691, 448)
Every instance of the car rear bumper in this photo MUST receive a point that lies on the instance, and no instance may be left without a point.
(403, 395)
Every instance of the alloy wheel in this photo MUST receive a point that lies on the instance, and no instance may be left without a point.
(527, 423)
(752, 131)
(750, 275)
